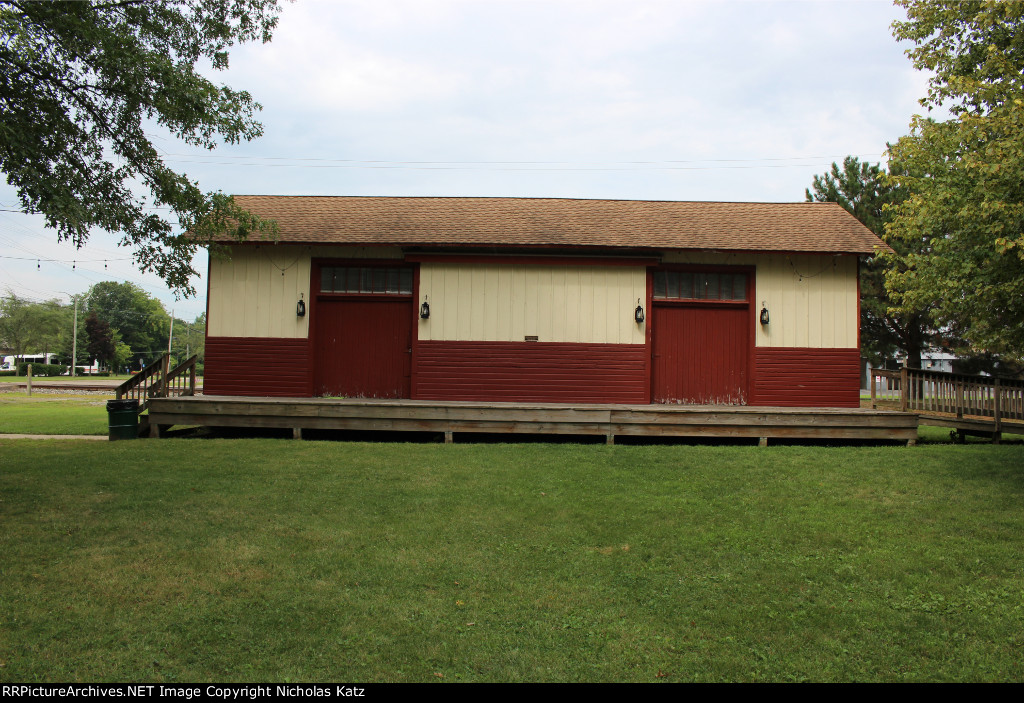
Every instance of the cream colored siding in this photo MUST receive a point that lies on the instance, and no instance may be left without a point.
(255, 291)
(812, 299)
(506, 303)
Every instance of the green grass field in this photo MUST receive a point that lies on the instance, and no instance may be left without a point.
(49, 414)
(240, 560)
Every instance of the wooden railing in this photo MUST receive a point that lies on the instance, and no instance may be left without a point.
(157, 381)
(952, 394)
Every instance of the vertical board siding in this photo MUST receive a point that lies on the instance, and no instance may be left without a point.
(806, 377)
(363, 348)
(257, 366)
(530, 372)
(812, 299)
(254, 292)
(701, 354)
(506, 302)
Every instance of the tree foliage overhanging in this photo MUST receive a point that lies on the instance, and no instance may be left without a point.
(965, 175)
(864, 190)
(80, 84)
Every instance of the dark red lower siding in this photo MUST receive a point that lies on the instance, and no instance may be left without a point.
(257, 366)
(800, 377)
(542, 372)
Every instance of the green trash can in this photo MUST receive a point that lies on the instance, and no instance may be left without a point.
(123, 419)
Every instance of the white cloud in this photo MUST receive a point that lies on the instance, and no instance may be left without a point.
(596, 84)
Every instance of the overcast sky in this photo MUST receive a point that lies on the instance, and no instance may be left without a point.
(655, 100)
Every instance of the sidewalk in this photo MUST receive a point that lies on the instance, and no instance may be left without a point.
(95, 437)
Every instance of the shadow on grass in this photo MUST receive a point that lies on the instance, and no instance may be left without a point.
(385, 436)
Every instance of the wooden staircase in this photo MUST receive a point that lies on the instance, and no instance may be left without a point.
(158, 381)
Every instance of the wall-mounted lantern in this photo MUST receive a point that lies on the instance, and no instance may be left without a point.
(300, 307)
(638, 314)
(764, 313)
(425, 310)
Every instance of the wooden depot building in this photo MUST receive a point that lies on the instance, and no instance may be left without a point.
(541, 300)
(538, 316)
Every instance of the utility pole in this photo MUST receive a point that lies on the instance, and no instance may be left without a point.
(74, 339)
(170, 336)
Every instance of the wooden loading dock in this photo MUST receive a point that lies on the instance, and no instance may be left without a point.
(458, 417)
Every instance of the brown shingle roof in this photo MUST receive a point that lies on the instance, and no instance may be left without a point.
(557, 222)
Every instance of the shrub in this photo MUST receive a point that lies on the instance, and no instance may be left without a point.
(42, 369)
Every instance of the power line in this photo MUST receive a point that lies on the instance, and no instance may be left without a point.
(499, 167)
(575, 165)
(63, 261)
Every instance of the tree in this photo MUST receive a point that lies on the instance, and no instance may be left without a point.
(29, 327)
(17, 327)
(102, 346)
(864, 191)
(122, 357)
(140, 319)
(966, 174)
(81, 82)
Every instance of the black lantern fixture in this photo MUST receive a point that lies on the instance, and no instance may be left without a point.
(425, 310)
(300, 308)
(764, 313)
(638, 314)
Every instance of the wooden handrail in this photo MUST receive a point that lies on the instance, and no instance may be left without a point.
(156, 381)
(959, 395)
(138, 387)
(177, 383)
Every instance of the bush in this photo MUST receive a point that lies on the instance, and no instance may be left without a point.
(12, 372)
(42, 369)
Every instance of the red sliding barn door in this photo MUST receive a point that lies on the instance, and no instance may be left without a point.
(701, 354)
(363, 348)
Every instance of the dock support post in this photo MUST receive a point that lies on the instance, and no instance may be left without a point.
(762, 442)
(449, 437)
(609, 439)
(296, 433)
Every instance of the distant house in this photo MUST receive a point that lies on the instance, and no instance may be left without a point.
(541, 300)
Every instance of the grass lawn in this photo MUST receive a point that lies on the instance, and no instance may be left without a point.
(46, 413)
(258, 559)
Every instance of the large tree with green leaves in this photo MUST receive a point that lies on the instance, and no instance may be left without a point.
(966, 174)
(140, 320)
(28, 327)
(82, 84)
(865, 191)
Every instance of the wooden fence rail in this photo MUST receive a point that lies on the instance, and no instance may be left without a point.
(939, 394)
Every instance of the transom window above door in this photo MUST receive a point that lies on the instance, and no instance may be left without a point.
(376, 280)
(687, 285)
